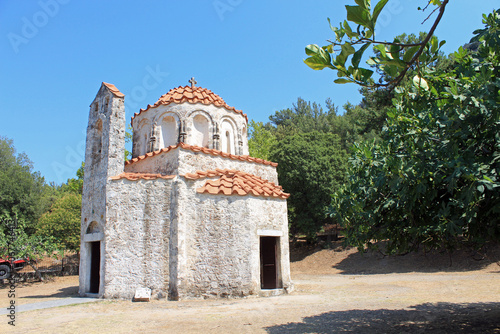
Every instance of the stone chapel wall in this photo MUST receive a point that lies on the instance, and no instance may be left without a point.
(137, 237)
(220, 255)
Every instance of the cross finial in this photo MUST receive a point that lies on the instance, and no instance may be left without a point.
(192, 82)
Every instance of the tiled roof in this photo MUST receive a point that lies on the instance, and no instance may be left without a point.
(233, 182)
(113, 89)
(141, 176)
(206, 151)
(191, 95)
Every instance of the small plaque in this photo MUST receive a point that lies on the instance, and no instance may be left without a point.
(142, 295)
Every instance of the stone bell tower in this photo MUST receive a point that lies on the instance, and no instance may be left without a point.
(104, 157)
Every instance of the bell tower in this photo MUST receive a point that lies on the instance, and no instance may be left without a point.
(104, 157)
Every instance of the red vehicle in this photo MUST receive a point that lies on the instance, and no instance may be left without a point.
(6, 267)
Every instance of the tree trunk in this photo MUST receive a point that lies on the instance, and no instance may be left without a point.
(37, 272)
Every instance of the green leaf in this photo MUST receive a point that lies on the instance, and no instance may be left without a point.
(330, 23)
(363, 3)
(408, 56)
(319, 59)
(395, 50)
(358, 15)
(312, 49)
(378, 8)
(365, 74)
(487, 178)
(371, 61)
(358, 54)
(382, 49)
(395, 63)
(348, 31)
(347, 50)
(342, 81)
(420, 82)
(315, 63)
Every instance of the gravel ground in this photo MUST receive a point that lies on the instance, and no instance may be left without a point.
(337, 291)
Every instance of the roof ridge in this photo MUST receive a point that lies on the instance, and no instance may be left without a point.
(112, 88)
(237, 182)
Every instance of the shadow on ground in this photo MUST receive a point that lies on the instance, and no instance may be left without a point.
(424, 318)
(351, 262)
(71, 291)
(463, 260)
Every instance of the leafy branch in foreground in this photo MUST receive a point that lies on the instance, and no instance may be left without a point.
(394, 58)
(434, 179)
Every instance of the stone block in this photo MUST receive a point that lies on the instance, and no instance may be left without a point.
(142, 295)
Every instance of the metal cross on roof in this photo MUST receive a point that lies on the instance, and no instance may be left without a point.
(192, 82)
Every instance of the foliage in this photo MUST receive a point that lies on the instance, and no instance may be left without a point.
(434, 179)
(128, 140)
(63, 222)
(303, 117)
(359, 123)
(310, 166)
(262, 138)
(394, 58)
(310, 146)
(48, 216)
(20, 187)
(14, 242)
(74, 185)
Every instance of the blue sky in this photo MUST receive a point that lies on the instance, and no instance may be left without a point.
(54, 54)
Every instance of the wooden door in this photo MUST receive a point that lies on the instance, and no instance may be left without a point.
(269, 262)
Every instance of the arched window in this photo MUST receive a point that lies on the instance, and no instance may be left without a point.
(228, 142)
(199, 135)
(142, 135)
(227, 137)
(169, 133)
(93, 228)
(97, 144)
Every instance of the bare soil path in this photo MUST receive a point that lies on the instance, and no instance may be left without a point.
(336, 291)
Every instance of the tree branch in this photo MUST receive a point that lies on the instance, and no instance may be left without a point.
(400, 77)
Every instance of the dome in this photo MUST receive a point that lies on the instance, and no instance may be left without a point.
(193, 95)
(191, 115)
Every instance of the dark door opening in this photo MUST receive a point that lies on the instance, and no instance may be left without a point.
(269, 262)
(95, 266)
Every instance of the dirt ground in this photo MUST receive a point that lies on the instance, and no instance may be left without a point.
(336, 291)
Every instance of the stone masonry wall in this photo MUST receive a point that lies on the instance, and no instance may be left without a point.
(185, 113)
(191, 161)
(220, 255)
(104, 152)
(165, 163)
(137, 237)
(181, 161)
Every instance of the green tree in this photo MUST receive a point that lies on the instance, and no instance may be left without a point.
(434, 179)
(310, 165)
(20, 188)
(303, 117)
(62, 222)
(262, 139)
(74, 185)
(14, 241)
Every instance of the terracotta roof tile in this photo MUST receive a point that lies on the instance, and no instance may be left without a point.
(191, 95)
(141, 176)
(203, 150)
(233, 182)
(113, 89)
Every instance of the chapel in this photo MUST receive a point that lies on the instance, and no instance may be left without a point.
(191, 215)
